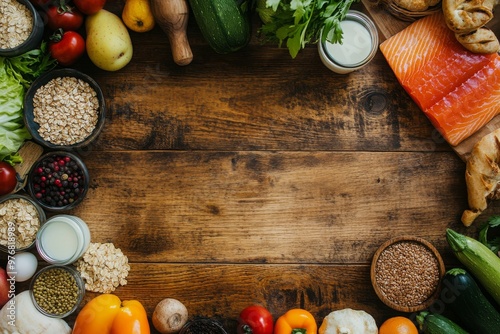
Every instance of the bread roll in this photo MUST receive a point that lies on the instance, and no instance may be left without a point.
(482, 176)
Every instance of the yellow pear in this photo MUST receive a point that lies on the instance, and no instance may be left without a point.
(137, 15)
(109, 45)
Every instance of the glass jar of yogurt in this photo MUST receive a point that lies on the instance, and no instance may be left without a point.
(63, 239)
(358, 46)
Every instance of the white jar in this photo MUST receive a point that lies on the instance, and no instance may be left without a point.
(359, 44)
(63, 239)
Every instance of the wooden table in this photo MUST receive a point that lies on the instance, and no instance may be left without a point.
(252, 177)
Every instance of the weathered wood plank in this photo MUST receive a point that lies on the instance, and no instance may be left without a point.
(269, 207)
(258, 98)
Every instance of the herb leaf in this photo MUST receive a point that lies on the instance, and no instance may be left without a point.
(300, 22)
(493, 244)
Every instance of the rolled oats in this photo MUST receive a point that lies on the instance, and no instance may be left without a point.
(16, 24)
(21, 216)
(103, 267)
(67, 110)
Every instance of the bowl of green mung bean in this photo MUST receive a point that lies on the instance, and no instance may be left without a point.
(57, 291)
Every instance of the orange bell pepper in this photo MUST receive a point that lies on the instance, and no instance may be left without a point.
(107, 314)
(296, 321)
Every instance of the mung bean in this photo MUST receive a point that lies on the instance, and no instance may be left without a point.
(56, 291)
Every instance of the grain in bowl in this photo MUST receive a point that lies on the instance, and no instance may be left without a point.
(406, 273)
(16, 23)
(21, 27)
(67, 110)
(64, 109)
(20, 220)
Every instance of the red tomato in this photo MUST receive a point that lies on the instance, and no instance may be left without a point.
(8, 179)
(64, 17)
(66, 47)
(255, 319)
(89, 7)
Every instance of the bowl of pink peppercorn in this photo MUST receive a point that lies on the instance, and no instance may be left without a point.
(58, 181)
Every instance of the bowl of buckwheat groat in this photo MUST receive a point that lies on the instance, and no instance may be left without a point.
(21, 27)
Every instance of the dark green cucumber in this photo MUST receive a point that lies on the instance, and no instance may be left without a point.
(225, 24)
(431, 323)
(464, 297)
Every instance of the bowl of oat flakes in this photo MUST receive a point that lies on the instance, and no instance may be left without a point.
(20, 219)
(21, 27)
(64, 109)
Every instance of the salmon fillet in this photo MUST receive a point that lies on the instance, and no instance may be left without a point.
(459, 91)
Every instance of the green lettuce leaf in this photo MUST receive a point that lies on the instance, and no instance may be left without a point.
(16, 75)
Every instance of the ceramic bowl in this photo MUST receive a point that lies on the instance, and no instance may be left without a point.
(406, 273)
(29, 117)
(5, 246)
(34, 39)
(63, 197)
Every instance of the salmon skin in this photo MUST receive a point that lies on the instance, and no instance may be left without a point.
(459, 91)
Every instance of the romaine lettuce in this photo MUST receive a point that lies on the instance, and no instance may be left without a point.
(16, 74)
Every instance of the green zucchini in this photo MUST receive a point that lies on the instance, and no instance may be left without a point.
(225, 24)
(481, 262)
(433, 323)
(464, 297)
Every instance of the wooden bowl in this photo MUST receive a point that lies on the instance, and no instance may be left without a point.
(406, 273)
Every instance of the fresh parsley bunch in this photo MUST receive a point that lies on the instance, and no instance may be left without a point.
(299, 22)
(492, 242)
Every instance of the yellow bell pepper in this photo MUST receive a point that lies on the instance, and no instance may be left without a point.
(296, 321)
(107, 314)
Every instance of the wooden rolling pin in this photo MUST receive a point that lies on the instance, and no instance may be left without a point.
(172, 16)
(30, 152)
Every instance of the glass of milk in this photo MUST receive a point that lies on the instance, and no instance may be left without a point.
(63, 239)
(358, 46)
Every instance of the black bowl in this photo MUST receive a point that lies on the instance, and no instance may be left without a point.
(76, 194)
(33, 126)
(34, 39)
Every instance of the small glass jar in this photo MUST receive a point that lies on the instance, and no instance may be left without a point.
(358, 46)
(43, 290)
(63, 239)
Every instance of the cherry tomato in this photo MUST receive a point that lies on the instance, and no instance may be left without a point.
(255, 319)
(8, 179)
(89, 7)
(64, 17)
(66, 47)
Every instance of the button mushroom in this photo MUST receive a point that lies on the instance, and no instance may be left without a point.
(169, 316)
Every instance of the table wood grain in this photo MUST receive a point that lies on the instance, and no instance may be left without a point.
(252, 177)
